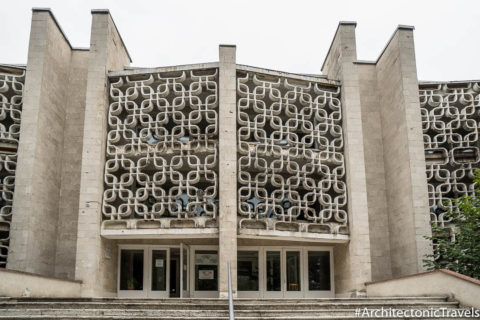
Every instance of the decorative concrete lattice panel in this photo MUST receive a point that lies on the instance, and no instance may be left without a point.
(291, 170)
(450, 118)
(11, 89)
(162, 150)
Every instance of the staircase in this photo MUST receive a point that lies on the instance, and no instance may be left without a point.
(209, 309)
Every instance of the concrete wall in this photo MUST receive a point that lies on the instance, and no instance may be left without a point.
(388, 163)
(23, 284)
(404, 159)
(352, 261)
(375, 173)
(434, 283)
(71, 166)
(95, 260)
(39, 168)
(227, 240)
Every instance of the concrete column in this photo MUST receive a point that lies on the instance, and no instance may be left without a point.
(375, 172)
(227, 241)
(38, 174)
(72, 165)
(352, 261)
(404, 159)
(95, 265)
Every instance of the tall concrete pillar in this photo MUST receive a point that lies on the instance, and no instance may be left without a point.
(227, 240)
(39, 167)
(95, 266)
(352, 261)
(404, 159)
(71, 166)
(375, 172)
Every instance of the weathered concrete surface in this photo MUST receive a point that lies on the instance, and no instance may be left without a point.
(227, 241)
(17, 284)
(352, 261)
(210, 309)
(433, 283)
(71, 166)
(375, 173)
(403, 154)
(96, 264)
(39, 168)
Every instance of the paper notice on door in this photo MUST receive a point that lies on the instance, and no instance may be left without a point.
(159, 263)
(205, 274)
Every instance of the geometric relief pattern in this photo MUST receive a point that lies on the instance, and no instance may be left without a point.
(162, 147)
(450, 119)
(291, 170)
(11, 88)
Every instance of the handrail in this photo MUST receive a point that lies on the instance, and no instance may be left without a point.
(230, 298)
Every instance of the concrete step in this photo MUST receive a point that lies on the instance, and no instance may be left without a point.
(208, 309)
(211, 308)
(335, 300)
(156, 307)
(222, 300)
(209, 303)
(256, 306)
(193, 314)
(201, 318)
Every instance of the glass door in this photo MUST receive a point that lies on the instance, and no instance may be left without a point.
(205, 272)
(318, 273)
(131, 282)
(273, 274)
(159, 275)
(248, 272)
(293, 273)
(184, 279)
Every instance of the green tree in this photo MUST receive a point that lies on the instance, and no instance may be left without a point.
(458, 249)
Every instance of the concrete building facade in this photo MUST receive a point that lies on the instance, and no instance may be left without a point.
(149, 182)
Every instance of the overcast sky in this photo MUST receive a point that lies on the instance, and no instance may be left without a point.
(291, 36)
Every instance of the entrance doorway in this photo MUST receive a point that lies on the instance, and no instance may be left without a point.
(182, 271)
(153, 271)
(284, 272)
(205, 271)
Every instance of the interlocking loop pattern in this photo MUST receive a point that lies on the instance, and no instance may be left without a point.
(290, 145)
(162, 146)
(11, 88)
(450, 119)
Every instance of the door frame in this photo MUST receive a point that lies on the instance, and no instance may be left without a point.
(202, 294)
(253, 294)
(185, 248)
(157, 293)
(293, 294)
(318, 293)
(132, 293)
(147, 292)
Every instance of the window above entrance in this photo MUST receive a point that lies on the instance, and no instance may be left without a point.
(291, 169)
